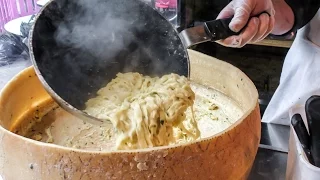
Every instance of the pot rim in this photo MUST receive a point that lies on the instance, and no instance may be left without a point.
(63, 103)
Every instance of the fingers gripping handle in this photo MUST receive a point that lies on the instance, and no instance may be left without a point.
(219, 29)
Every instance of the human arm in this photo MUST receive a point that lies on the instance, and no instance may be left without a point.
(304, 11)
(285, 16)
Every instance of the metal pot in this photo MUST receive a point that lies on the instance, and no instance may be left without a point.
(78, 46)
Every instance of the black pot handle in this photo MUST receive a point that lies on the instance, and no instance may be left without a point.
(221, 30)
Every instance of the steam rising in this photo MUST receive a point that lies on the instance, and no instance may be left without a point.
(97, 27)
(80, 45)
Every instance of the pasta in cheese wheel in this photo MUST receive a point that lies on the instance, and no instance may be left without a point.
(145, 111)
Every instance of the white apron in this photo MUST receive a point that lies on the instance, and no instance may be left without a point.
(300, 76)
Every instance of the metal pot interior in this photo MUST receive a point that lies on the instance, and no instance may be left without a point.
(78, 46)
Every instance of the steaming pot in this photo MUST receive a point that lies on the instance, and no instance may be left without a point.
(78, 46)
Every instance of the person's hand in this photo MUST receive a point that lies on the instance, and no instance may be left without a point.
(252, 29)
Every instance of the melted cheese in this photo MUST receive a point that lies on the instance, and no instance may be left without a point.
(147, 112)
(213, 111)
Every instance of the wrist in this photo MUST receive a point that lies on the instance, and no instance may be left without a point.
(284, 17)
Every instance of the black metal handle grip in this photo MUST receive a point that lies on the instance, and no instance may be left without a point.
(219, 29)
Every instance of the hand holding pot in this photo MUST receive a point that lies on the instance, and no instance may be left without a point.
(252, 29)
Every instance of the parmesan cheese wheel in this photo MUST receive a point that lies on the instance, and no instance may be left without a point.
(228, 154)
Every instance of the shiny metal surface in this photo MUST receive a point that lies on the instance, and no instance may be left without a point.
(271, 160)
(269, 165)
(275, 137)
(194, 35)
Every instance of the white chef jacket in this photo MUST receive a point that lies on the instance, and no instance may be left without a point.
(300, 76)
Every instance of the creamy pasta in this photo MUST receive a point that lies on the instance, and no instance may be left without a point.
(145, 111)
